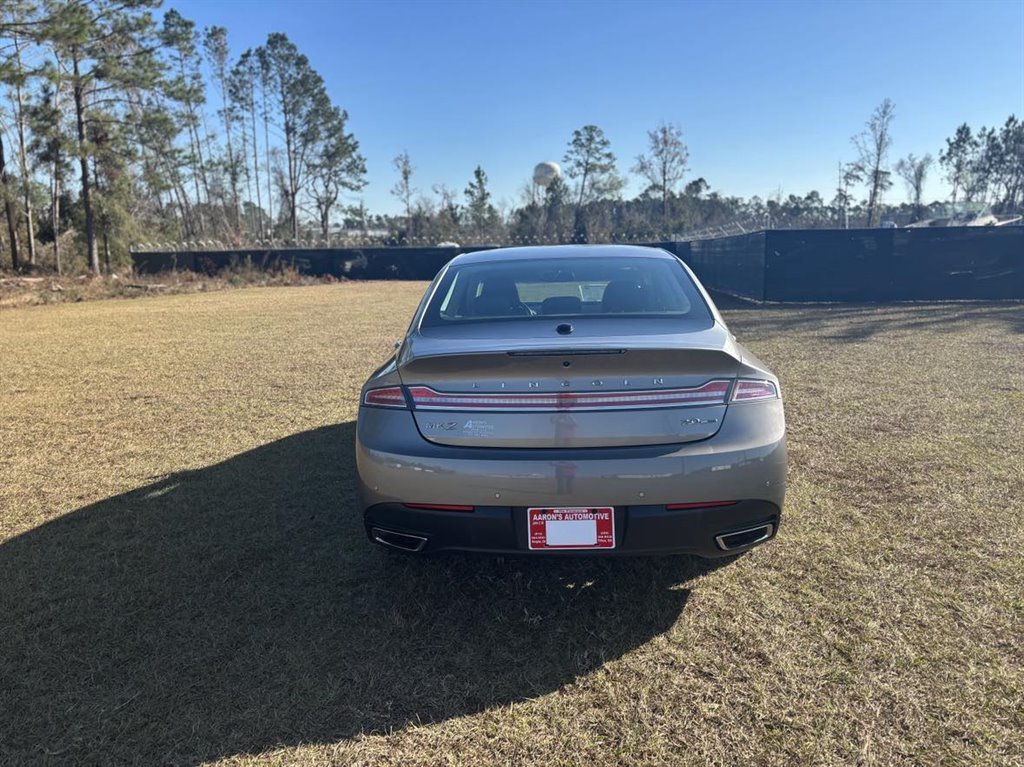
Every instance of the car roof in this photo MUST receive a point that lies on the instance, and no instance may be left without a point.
(559, 251)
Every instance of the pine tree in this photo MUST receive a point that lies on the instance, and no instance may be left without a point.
(215, 42)
(302, 109)
(590, 161)
(51, 145)
(482, 215)
(8, 192)
(186, 88)
(16, 76)
(242, 93)
(337, 165)
(110, 50)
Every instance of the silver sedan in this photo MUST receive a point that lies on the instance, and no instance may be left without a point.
(572, 399)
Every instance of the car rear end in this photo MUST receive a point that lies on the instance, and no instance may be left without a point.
(574, 400)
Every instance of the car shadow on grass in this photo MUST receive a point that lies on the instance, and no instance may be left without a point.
(239, 607)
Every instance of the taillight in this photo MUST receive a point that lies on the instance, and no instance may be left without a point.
(389, 396)
(747, 390)
(711, 393)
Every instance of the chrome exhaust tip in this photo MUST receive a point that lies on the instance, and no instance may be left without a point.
(396, 540)
(741, 539)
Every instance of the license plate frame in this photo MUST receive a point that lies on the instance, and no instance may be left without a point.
(570, 530)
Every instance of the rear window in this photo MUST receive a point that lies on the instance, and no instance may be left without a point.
(568, 287)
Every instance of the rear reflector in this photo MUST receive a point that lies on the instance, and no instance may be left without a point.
(390, 396)
(704, 505)
(711, 393)
(747, 390)
(437, 507)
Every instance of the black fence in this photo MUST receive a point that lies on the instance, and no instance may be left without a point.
(354, 263)
(865, 264)
(777, 265)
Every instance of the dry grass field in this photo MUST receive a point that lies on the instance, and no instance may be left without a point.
(19, 291)
(184, 576)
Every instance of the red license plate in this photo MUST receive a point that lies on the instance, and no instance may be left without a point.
(572, 528)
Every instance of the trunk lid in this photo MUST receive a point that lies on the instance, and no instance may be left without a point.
(638, 386)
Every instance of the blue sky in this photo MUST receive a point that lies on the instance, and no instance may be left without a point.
(767, 94)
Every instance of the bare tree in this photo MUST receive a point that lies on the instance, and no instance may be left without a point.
(913, 171)
(266, 96)
(449, 213)
(873, 147)
(666, 164)
(403, 188)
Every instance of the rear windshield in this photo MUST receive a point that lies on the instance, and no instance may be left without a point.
(568, 287)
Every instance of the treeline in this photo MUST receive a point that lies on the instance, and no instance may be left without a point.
(984, 170)
(123, 125)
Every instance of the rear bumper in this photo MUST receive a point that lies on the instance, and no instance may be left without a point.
(745, 462)
(638, 529)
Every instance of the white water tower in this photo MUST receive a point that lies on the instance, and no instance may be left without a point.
(544, 174)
